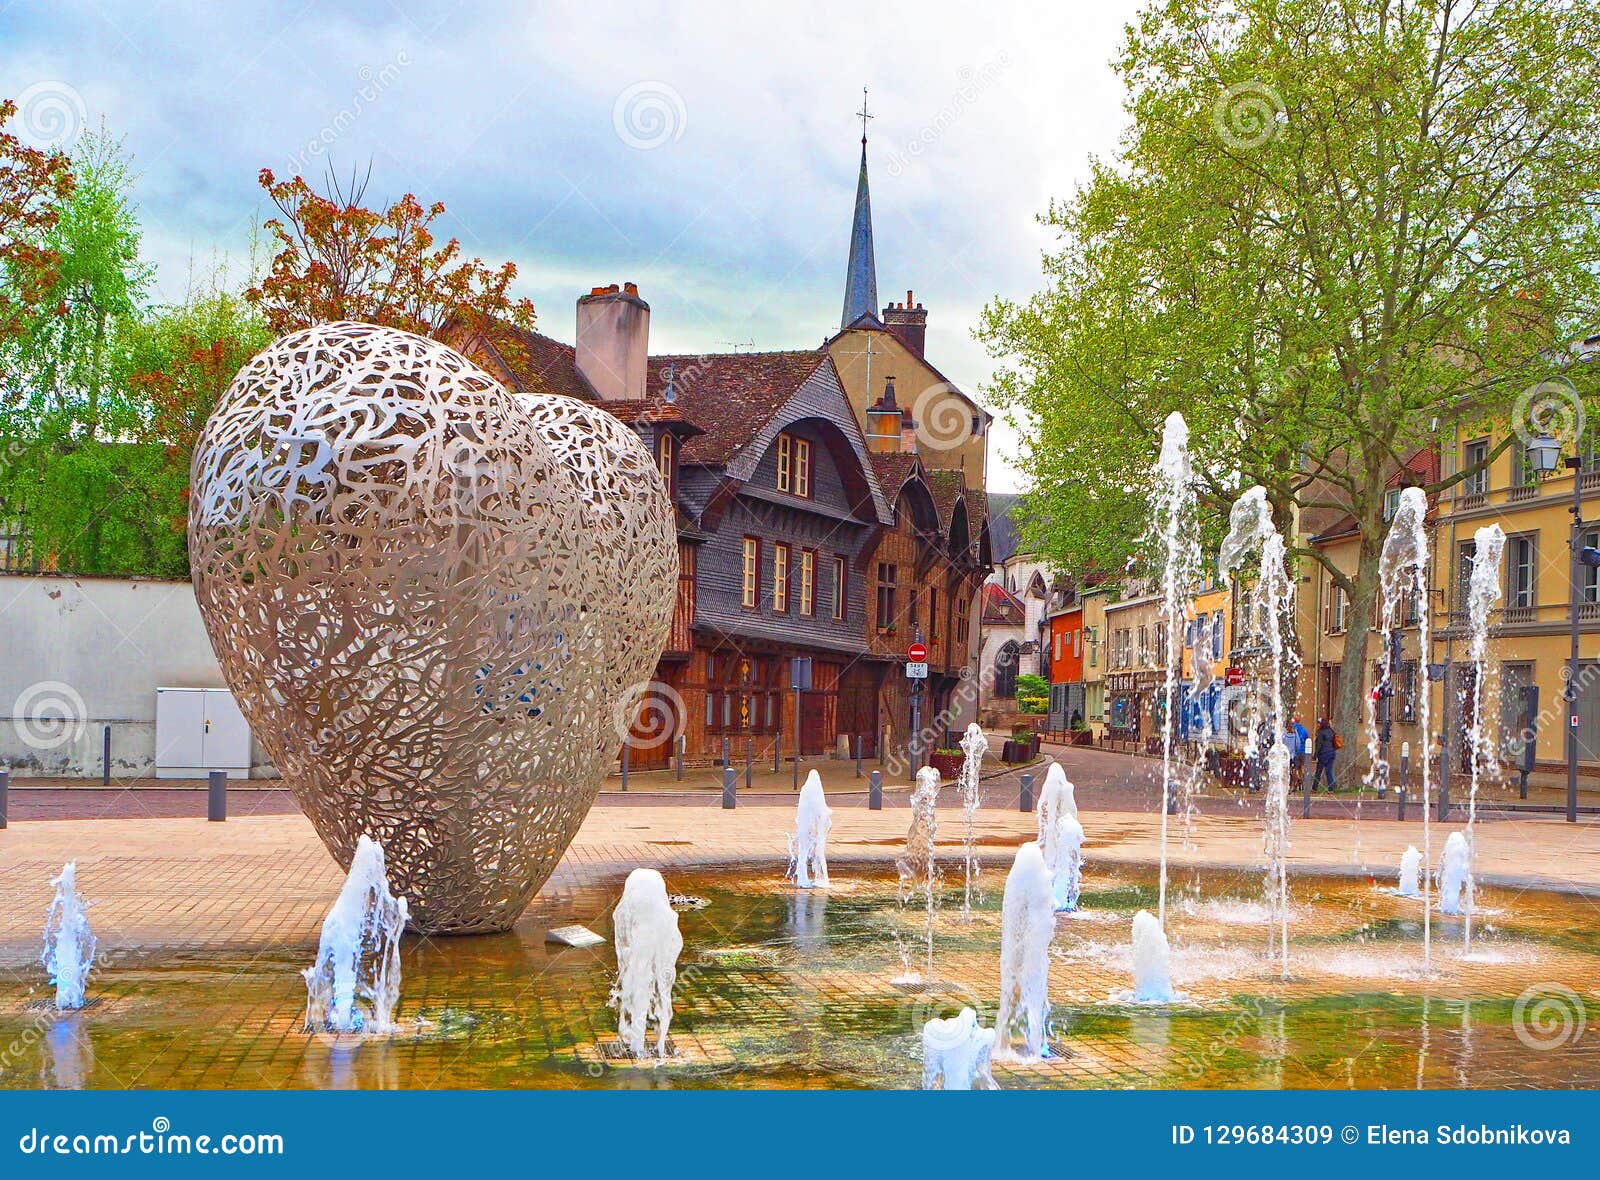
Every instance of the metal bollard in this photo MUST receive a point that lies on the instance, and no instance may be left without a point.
(1025, 800)
(875, 791)
(625, 746)
(679, 756)
(217, 796)
(749, 761)
(858, 755)
(1400, 804)
(105, 757)
(730, 797)
(5, 788)
(727, 753)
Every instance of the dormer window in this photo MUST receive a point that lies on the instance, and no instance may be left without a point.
(667, 461)
(794, 465)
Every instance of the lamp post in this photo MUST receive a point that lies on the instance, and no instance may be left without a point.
(1542, 452)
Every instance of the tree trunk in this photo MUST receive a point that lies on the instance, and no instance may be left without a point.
(1349, 711)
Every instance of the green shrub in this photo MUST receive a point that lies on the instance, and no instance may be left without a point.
(1029, 685)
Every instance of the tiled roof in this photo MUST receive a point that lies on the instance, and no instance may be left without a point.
(537, 363)
(1001, 607)
(892, 469)
(730, 396)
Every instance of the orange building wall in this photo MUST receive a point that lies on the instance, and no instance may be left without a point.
(1066, 637)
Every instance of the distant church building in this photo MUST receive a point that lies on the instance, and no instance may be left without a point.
(830, 506)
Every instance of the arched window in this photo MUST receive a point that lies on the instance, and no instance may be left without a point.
(1005, 669)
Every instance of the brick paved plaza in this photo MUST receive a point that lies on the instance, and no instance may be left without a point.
(203, 928)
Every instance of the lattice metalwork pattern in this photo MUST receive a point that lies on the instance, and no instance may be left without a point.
(432, 600)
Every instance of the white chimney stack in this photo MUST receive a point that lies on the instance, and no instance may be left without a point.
(613, 346)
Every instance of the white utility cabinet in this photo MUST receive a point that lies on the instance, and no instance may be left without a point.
(199, 730)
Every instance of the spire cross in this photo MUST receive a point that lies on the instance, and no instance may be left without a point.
(863, 116)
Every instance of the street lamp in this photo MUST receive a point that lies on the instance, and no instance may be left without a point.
(1582, 556)
(1545, 452)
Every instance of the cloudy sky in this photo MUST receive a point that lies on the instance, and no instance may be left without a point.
(706, 151)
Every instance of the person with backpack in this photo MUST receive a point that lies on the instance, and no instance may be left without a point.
(1328, 744)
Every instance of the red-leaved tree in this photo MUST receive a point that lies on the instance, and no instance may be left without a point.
(339, 260)
(33, 186)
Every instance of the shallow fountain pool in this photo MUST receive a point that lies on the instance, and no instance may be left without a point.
(786, 987)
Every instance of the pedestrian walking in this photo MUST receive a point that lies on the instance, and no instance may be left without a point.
(1325, 751)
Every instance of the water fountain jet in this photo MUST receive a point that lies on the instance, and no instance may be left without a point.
(1175, 511)
(1028, 923)
(1270, 603)
(808, 846)
(1410, 869)
(1061, 837)
(1455, 876)
(1403, 568)
(1483, 591)
(644, 927)
(974, 745)
(1152, 961)
(956, 1052)
(68, 942)
(918, 866)
(355, 982)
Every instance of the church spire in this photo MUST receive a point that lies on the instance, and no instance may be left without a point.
(861, 279)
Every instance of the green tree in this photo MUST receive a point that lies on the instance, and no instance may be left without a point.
(69, 420)
(1328, 227)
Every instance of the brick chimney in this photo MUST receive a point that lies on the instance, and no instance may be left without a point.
(909, 322)
(908, 433)
(614, 341)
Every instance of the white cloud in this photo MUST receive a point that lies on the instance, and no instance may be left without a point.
(735, 226)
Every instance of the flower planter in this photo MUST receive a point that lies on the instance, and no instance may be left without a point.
(948, 765)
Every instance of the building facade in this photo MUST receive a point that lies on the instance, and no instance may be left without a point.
(816, 523)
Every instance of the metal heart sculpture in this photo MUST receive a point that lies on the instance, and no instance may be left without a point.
(436, 603)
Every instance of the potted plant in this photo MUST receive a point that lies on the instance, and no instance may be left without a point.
(947, 761)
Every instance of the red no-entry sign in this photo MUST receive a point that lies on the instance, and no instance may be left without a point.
(917, 653)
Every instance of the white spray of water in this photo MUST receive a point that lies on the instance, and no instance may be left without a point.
(918, 866)
(1061, 837)
(1410, 869)
(1455, 875)
(1028, 923)
(644, 927)
(974, 745)
(1270, 603)
(1175, 525)
(354, 984)
(1483, 591)
(68, 942)
(1403, 573)
(1152, 961)
(808, 847)
(956, 1052)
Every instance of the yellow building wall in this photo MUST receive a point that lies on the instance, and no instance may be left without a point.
(945, 438)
